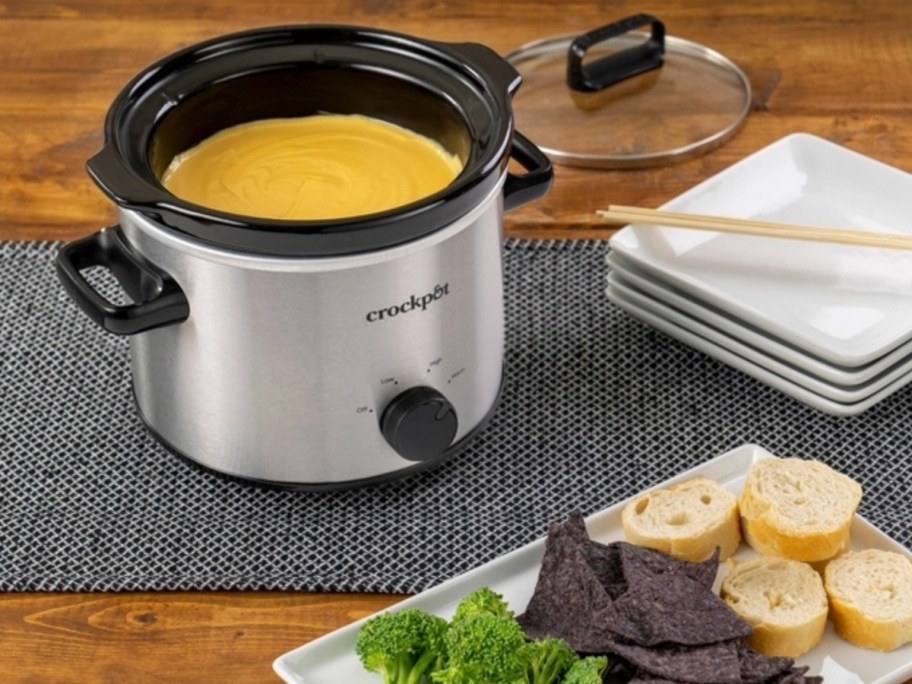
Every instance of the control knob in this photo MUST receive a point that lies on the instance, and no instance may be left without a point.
(419, 424)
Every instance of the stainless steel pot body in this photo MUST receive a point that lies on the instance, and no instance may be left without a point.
(285, 366)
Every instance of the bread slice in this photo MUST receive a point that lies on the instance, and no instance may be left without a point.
(870, 596)
(783, 600)
(688, 520)
(797, 509)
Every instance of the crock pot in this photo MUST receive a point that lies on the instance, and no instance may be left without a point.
(299, 353)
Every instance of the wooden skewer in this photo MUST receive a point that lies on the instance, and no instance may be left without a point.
(622, 215)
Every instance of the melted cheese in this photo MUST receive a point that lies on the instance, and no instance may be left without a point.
(320, 167)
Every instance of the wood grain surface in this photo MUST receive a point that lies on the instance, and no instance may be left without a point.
(841, 70)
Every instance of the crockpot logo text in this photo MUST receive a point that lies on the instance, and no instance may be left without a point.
(413, 303)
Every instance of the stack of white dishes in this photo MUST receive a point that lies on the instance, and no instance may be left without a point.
(828, 324)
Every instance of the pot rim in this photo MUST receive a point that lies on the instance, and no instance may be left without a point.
(123, 171)
(141, 231)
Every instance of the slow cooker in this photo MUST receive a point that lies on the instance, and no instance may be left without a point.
(311, 354)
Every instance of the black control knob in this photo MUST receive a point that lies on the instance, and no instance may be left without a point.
(419, 424)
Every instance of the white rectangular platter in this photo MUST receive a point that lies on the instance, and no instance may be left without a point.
(331, 658)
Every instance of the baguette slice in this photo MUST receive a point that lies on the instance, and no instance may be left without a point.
(783, 600)
(797, 509)
(688, 520)
(870, 595)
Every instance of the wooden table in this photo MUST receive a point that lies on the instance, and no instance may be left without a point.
(840, 70)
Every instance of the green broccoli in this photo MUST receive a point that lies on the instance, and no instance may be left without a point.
(402, 646)
(482, 649)
(546, 660)
(482, 644)
(586, 671)
(482, 601)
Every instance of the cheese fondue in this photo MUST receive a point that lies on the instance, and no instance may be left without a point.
(326, 166)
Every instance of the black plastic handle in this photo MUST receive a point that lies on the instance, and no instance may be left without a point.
(532, 185)
(157, 298)
(605, 71)
(110, 173)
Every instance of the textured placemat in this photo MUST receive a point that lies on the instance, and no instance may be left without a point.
(596, 407)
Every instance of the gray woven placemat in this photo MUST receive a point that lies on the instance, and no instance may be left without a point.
(596, 406)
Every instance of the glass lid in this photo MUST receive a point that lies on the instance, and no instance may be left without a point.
(618, 97)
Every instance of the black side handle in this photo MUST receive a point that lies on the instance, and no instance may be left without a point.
(530, 186)
(119, 182)
(489, 63)
(158, 299)
(611, 69)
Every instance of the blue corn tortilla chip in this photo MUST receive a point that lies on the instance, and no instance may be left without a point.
(603, 559)
(757, 668)
(674, 609)
(567, 595)
(639, 563)
(716, 663)
(794, 675)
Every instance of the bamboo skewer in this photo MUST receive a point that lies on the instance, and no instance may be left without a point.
(623, 215)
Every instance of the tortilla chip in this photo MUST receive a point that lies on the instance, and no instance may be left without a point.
(717, 663)
(603, 559)
(794, 675)
(567, 595)
(757, 668)
(672, 609)
(639, 563)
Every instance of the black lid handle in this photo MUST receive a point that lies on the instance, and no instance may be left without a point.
(158, 299)
(605, 71)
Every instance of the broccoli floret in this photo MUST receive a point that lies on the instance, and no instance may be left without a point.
(546, 660)
(586, 671)
(402, 646)
(482, 649)
(482, 601)
(483, 644)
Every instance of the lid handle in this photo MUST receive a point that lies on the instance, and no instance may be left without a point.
(611, 69)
